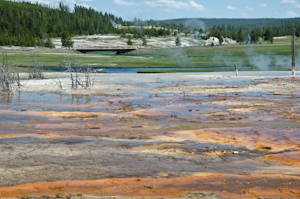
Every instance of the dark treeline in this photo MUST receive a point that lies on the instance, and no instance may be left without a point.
(248, 33)
(32, 24)
(27, 24)
(244, 34)
(208, 23)
(143, 32)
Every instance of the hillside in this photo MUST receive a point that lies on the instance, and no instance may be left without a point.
(27, 24)
(237, 23)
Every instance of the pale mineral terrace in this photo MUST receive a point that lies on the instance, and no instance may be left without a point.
(199, 135)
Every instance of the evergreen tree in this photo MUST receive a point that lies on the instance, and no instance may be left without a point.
(31, 21)
(66, 40)
(220, 37)
(123, 35)
(144, 42)
(240, 36)
(129, 42)
(2, 42)
(268, 36)
(178, 42)
(298, 32)
(254, 36)
(48, 43)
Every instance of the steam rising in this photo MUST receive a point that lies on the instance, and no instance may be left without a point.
(195, 23)
(115, 24)
(262, 62)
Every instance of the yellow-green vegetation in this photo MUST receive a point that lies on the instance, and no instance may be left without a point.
(193, 57)
(201, 71)
(281, 41)
(239, 49)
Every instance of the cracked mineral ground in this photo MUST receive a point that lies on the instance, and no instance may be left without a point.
(152, 136)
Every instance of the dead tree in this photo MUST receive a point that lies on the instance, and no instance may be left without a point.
(69, 65)
(8, 76)
(58, 81)
(88, 81)
(35, 71)
(293, 53)
(75, 69)
(16, 74)
(236, 70)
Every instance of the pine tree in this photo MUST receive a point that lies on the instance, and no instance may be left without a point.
(178, 42)
(254, 36)
(144, 42)
(268, 36)
(48, 43)
(129, 42)
(66, 40)
(298, 32)
(240, 36)
(2, 42)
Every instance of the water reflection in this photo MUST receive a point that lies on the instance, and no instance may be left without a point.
(134, 70)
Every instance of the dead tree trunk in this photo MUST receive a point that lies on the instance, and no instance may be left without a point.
(293, 53)
(236, 70)
(7, 76)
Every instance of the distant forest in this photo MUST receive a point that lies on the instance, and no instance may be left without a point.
(32, 24)
(242, 30)
(27, 24)
(237, 23)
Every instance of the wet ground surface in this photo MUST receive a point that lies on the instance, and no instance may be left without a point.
(135, 70)
(199, 138)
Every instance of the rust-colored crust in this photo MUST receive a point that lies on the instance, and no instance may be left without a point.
(236, 186)
(289, 158)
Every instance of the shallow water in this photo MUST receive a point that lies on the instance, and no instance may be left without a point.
(183, 55)
(134, 70)
(54, 137)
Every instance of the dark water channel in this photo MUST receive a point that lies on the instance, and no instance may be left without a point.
(134, 70)
(144, 55)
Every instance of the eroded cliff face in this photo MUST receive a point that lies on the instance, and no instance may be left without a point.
(166, 136)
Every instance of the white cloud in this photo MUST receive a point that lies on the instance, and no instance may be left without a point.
(167, 10)
(292, 3)
(241, 11)
(55, 3)
(167, 5)
(172, 4)
(249, 8)
(291, 14)
(138, 11)
(196, 6)
(264, 5)
(85, 5)
(124, 3)
(231, 8)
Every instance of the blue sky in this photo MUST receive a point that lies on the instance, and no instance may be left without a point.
(170, 9)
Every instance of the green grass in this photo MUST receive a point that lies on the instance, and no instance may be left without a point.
(264, 48)
(200, 57)
(101, 52)
(201, 71)
(179, 71)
